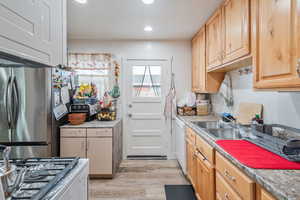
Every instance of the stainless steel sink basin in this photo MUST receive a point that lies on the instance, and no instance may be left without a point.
(225, 133)
(212, 125)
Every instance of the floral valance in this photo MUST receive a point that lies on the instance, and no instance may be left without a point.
(90, 61)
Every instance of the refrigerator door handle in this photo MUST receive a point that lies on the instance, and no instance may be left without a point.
(8, 103)
(16, 97)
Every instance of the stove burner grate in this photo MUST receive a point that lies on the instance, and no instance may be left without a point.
(42, 176)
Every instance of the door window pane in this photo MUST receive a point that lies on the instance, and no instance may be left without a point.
(146, 81)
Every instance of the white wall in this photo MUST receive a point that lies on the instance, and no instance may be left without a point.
(279, 107)
(180, 50)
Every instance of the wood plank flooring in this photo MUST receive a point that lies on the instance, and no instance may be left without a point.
(138, 180)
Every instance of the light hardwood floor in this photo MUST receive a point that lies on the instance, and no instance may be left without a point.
(138, 180)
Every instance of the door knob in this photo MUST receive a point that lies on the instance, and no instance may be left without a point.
(130, 105)
(130, 115)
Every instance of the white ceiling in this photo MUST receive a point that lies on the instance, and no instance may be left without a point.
(126, 19)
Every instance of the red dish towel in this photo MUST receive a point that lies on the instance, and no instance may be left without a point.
(256, 157)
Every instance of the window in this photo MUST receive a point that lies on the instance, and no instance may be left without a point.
(93, 68)
(146, 81)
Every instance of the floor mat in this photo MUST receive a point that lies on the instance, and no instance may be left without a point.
(179, 192)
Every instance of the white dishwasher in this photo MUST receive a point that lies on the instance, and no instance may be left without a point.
(180, 145)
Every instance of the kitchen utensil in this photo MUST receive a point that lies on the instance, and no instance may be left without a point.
(247, 111)
(9, 177)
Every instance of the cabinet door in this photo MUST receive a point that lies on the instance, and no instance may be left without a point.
(72, 147)
(199, 62)
(236, 29)
(191, 163)
(266, 196)
(189, 158)
(99, 152)
(205, 179)
(32, 29)
(195, 65)
(214, 40)
(276, 25)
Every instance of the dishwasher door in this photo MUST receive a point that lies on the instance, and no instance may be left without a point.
(180, 145)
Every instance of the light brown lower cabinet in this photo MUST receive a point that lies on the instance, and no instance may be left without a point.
(102, 146)
(191, 162)
(237, 180)
(205, 189)
(214, 177)
(262, 194)
(223, 189)
(200, 170)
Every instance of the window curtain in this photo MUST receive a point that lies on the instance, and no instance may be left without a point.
(90, 61)
(93, 68)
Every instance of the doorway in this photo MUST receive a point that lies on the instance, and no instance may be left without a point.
(147, 133)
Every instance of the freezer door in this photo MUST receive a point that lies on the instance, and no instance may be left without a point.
(31, 104)
(19, 152)
(5, 96)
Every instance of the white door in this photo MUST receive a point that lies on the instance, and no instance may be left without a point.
(146, 83)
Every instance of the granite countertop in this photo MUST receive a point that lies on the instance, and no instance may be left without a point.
(95, 124)
(283, 184)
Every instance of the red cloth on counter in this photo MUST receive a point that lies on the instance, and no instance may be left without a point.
(255, 156)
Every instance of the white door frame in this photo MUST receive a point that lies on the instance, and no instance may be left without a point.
(124, 61)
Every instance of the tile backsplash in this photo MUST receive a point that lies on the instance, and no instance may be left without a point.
(279, 107)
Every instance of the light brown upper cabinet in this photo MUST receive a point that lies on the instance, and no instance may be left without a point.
(276, 44)
(214, 40)
(203, 82)
(228, 36)
(197, 61)
(236, 29)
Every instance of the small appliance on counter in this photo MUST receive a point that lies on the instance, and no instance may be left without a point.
(91, 110)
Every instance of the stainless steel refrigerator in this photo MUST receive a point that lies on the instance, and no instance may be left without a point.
(25, 107)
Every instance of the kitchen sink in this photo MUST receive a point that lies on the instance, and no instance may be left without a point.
(225, 133)
(212, 125)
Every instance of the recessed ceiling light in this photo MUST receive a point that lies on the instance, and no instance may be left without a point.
(148, 29)
(81, 1)
(148, 1)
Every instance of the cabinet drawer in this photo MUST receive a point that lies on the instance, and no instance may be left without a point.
(191, 136)
(99, 132)
(206, 150)
(73, 132)
(223, 190)
(239, 181)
